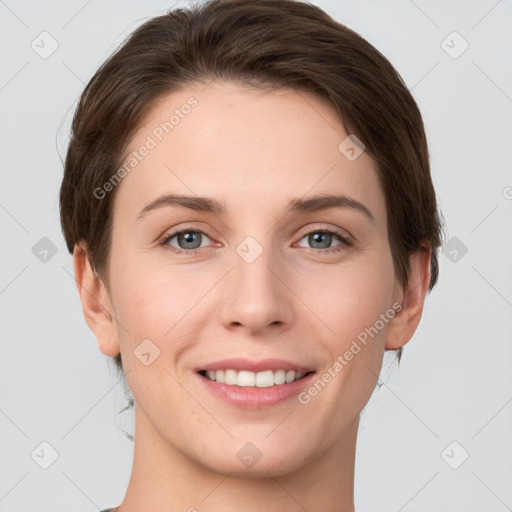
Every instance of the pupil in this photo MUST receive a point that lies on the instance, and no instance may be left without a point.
(322, 238)
(188, 238)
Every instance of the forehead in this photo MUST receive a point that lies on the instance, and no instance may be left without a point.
(244, 146)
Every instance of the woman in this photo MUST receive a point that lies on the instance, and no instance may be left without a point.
(248, 201)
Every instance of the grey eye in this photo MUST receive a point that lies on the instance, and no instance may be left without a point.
(322, 239)
(187, 239)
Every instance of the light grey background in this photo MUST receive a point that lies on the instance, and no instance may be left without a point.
(454, 383)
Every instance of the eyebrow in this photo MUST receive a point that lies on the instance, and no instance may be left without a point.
(210, 205)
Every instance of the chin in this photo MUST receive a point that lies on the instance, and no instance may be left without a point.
(249, 461)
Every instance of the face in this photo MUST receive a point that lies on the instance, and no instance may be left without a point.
(250, 279)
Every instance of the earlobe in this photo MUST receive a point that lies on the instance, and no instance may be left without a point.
(95, 301)
(401, 329)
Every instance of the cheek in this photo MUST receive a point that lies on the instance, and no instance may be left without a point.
(150, 310)
(349, 298)
(150, 303)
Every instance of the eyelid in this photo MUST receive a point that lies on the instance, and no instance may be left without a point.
(169, 235)
(342, 233)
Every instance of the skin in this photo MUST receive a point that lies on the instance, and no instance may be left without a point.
(254, 151)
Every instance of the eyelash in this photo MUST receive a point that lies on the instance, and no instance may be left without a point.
(345, 241)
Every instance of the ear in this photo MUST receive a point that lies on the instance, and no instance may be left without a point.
(412, 297)
(96, 304)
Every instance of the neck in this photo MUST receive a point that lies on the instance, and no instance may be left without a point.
(163, 478)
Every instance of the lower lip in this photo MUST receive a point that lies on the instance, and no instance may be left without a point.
(256, 398)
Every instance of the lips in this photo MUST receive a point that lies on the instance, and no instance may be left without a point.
(251, 396)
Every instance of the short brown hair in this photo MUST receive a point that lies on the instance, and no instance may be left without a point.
(266, 44)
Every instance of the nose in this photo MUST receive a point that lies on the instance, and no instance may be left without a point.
(256, 297)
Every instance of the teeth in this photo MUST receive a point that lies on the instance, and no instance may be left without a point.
(230, 377)
(279, 377)
(245, 378)
(265, 379)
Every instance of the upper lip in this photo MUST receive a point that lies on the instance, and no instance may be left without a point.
(254, 366)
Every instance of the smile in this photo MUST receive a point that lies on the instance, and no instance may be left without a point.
(246, 378)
